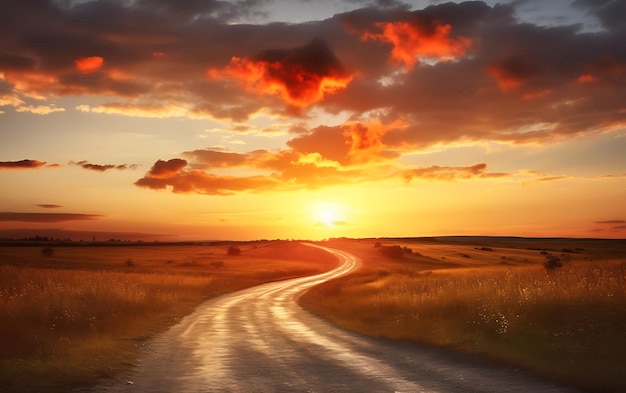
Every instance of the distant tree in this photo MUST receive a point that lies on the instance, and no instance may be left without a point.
(552, 262)
(234, 250)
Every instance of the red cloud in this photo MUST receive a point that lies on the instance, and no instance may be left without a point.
(300, 76)
(511, 72)
(22, 164)
(412, 41)
(87, 65)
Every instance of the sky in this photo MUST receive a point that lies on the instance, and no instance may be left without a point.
(266, 119)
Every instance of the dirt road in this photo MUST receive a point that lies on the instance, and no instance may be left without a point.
(260, 340)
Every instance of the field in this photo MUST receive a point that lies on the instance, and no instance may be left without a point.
(493, 298)
(72, 315)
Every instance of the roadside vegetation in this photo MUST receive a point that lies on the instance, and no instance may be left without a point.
(560, 314)
(72, 315)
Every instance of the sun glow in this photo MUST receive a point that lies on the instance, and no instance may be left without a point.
(327, 214)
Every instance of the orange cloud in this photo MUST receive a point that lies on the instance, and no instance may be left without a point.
(87, 65)
(412, 41)
(165, 169)
(300, 77)
(172, 174)
(450, 173)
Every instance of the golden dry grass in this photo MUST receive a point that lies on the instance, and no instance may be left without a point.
(75, 317)
(568, 326)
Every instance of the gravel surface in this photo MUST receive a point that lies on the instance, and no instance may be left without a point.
(260, 340)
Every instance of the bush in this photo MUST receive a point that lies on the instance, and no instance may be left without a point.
(552, 262)
(392, 251)
(234, 250)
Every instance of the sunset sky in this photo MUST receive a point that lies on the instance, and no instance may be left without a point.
(264, 119)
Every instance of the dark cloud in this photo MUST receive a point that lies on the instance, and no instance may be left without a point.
(102, 168)
(611, 226)
(301, 76)
(49, 206)
(609, 12)
(22, 164)
(464, 72)
(46, 217)
(611, 222)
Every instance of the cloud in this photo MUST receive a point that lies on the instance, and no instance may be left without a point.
(609, 12)
(611, 225)
(419, 39)
(323, 157)
(450, 173)
(166, 169)
(46, 217)
(9, 100)
(39, 109)
(171, 173)
(49, 206)
(300, 76)
(150, 110)
(102, 168)
(87, 65)
(22, 164)
(512, 72)
(473, 72)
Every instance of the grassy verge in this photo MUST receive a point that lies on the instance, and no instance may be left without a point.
(78, 315)
(568, 325)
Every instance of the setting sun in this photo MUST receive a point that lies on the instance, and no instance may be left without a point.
(280, 122)
(327, 214)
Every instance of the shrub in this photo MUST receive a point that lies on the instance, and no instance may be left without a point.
(552, 262)
(234, 250)
(392, 251)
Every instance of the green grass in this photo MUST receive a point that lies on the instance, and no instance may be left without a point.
(80, 315)
(568, 326)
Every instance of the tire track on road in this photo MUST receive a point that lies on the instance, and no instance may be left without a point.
(260, 340)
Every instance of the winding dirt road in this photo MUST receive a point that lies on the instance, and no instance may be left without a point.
(260, 340)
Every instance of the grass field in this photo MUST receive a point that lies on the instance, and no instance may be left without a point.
(79, 314)
(495, 300)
